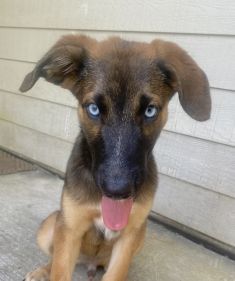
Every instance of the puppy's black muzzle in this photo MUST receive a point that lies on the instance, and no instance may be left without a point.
(117, 185)
(120, 171)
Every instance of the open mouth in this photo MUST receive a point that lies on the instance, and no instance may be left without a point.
(116, 213)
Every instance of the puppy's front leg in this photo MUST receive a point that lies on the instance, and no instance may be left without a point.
(66, 248)
(122, 254)
(72, 223)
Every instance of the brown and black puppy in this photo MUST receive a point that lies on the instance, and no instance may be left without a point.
(123, 89)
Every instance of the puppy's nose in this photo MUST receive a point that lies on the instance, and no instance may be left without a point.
(118, 187)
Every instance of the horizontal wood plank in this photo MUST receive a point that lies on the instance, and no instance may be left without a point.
(216, 55)
(34, 145)
(210, 17)
(203, 163)
(55, 120)
(208, 212)
(221, 126)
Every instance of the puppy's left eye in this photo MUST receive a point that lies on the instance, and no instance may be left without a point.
(151, 111)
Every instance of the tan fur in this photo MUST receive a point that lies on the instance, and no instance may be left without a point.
(42, 273)
(75, 232)
(126, 78)
(46, 232)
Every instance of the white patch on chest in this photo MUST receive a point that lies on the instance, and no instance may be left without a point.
(108, 233)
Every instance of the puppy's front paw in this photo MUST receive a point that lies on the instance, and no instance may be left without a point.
(40, 274)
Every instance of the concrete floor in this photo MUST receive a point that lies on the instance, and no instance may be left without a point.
(26, 198)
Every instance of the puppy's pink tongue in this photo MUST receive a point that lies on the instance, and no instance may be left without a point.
(115, 213)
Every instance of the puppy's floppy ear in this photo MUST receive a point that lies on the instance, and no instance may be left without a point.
(192, 84)
(62, 64)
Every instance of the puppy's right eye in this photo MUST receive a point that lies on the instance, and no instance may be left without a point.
(93, 110)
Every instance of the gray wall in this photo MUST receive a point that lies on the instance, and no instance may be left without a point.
(196, 160)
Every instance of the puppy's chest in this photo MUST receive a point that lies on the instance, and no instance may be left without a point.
(106, 232)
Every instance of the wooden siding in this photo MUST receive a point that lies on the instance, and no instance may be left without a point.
(178, 16)
(215, 55)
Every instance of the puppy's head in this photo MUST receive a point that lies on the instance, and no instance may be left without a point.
(123, 90)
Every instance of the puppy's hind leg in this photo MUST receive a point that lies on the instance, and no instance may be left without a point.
(45, 241)
(46, 232)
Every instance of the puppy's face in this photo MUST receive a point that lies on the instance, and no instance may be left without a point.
(122, 115)
(123, 90)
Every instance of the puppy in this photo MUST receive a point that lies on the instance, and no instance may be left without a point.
(123, 89)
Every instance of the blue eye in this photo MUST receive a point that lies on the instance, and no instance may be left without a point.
(93, 110)
(151, 111)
